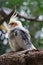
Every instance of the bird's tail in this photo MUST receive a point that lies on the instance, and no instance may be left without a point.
(32, 47)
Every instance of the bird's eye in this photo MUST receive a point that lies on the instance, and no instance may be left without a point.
(11, 23)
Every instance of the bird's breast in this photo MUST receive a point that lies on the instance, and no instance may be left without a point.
(20, 42)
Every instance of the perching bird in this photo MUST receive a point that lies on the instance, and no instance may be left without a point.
(19, 37)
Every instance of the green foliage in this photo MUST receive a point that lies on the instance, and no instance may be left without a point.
(10, 3)
(31, 8)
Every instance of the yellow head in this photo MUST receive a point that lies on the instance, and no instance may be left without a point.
(14, 23)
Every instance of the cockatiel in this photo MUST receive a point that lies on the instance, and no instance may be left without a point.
(19, 37)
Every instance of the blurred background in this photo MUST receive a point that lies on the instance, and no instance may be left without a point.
(30, 8)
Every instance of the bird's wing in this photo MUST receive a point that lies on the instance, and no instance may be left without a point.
(23, 35)
(26, 37)
(23, 39)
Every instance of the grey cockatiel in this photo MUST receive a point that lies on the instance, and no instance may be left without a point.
(19, 37)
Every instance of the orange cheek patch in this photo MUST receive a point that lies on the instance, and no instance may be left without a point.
(15, 24)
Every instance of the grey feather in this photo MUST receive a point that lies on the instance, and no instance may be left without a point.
(22, 38)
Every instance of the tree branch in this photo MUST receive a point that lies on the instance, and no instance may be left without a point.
(33, 57)
(33, 19)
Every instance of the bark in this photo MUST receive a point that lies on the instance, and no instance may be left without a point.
(26, 57)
